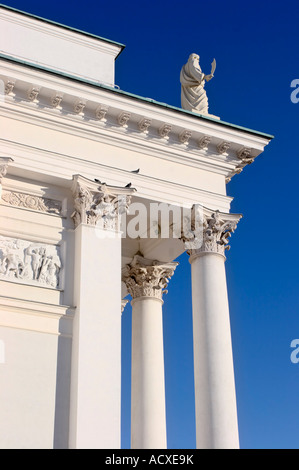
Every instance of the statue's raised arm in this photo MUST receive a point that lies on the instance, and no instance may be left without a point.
(193, 94)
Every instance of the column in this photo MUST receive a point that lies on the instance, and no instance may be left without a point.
(146, 281)
(215, 400)
(95, 401)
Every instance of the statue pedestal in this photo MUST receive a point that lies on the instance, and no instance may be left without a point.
(213, 116)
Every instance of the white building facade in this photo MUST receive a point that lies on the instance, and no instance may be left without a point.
(68, 260)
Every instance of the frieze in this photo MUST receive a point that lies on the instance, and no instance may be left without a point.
(32, 202)
(28, 262)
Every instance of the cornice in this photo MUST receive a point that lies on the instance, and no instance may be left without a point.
(41, 161)
(36, 316)
(176, 152)
(80, 108)
(35, 307)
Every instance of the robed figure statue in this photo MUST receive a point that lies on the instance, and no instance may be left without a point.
(193, 94)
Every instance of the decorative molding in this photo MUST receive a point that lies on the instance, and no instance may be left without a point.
(56, 100)
(32, 202)
(101, 112)
(223, 147)
(9, 87)
(210, 233)
(168, 191)
(184, 136)
(123, 119)
(99, 204)
(32, 94)
(204, 142)
(147, 278)
(32, 263)
(244, 154)
(237, 171)
(34, 316)
(79, 106)
(164, 131)
(122, 108)
(144, 124)
(4, 162)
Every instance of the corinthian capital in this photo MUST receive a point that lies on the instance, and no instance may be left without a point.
(211, 234)
(98, 203)
(147, 278)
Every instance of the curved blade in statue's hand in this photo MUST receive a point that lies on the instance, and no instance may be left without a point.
(213, 67)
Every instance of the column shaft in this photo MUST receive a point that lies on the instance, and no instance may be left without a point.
(215, 400)
(148, 423)
(146, 281)
(96, 351)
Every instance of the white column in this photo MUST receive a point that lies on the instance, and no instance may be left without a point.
(146, 281)
(95, 404)
(215, 399)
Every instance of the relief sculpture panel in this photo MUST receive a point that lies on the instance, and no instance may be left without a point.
(28, 262)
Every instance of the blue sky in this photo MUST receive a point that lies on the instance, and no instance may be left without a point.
(256, 48)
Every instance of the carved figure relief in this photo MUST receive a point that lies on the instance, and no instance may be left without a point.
(34, 263)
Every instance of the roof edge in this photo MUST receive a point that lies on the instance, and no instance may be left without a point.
(60, 25)
(137, 97)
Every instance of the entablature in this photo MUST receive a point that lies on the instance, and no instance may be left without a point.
(125, 120)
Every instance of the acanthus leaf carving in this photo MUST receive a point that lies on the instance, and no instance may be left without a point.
(100, 205)
(147, 278)
(213, 234)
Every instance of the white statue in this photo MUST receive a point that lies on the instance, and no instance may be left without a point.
(193, 94)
